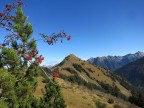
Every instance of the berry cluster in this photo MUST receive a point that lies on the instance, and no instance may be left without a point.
(54, 37)
(7, 21)
(20, 2)
(1, 14)
(30, 56)
(40, 59)
(56, 75)
(6, 17)
(69, 38)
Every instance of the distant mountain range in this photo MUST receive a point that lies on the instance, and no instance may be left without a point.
(134, 72)
(115, 62)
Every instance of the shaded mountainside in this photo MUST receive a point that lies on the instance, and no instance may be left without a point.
(115, 62)
(134, 72)
(75, 70)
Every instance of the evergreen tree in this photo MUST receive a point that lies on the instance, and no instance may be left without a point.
(19, 63)
(52, 96)
(15, 58)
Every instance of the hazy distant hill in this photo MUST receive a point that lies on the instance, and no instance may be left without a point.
(134, 72)
(115, 62)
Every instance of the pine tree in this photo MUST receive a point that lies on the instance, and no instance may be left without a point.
(52, 96)
(20, 94)
(19, 64)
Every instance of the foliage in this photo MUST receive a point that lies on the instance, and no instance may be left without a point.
(133, 72)
(7, 86)
(116, 106)
(19, 62)
(111, 101)
(61, 63)
(80, 81)
(70, 70)
(113, 90)
(10, 58)
(79, 68)
(137, 97)
(52, 96)
(90, 70)
(84, 97)
(104, 87)
(100, 105)
(3, 104)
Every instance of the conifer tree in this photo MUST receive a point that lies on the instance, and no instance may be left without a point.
(19, 63)
(52, 96)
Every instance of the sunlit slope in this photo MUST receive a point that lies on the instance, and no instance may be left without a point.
(89, 72)
(77, 96)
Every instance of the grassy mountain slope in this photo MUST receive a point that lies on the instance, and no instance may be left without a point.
(77, 96)
(84, 85)
(134, 72)
(73, 66)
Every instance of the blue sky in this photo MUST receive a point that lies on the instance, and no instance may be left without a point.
(97, 27)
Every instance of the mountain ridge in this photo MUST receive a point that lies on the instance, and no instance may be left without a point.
(134, 72)
(83, 73)
(115, 62)
(73, 68)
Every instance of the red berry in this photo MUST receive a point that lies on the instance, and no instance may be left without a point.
(1, 14)
(40, 59)
(8, 9)
(30, 56)
(69, 38)
(56, 75)
(20, 3)
(50, 42)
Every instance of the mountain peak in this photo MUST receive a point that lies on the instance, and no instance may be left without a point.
(75, 68)
(71, 55)
(115, 62)
(139, 53)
